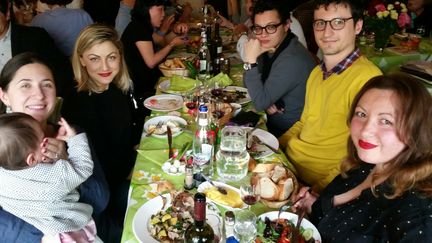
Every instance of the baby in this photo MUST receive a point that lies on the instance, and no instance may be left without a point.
(45, 194)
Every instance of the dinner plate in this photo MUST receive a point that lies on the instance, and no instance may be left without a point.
(205, 185)
(306, 224)
(164, 86)
(141, 220)
(164, 102)
(155, 120)
(261, 151)
(242, 101)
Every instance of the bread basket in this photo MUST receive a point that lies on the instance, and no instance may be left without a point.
(168, 72)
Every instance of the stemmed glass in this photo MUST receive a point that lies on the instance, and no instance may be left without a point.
(249, 194)
(190, 100)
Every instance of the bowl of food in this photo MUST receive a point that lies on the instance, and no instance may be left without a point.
(174, 66)
(275, 184)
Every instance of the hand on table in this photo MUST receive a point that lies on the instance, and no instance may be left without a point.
(273, 109)
(304, 199)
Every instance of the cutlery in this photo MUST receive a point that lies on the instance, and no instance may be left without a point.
(158, 125)
(296, 233)
(170, 149)
(260, 142)
(219, 188)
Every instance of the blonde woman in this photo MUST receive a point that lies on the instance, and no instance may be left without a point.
(101, 106)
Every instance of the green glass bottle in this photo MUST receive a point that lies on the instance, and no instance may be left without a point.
(199, 231)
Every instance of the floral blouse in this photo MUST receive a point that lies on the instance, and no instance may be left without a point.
(371, 219)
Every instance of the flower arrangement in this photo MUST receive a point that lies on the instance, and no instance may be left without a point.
(385, 20)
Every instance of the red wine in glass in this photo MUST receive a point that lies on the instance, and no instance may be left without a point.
(217, 92)
(250, 199)
(191, 105)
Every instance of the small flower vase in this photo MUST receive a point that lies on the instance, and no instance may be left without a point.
(382, 38)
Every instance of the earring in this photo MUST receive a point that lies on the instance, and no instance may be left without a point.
(8, 109)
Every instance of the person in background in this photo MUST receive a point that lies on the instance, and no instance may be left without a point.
(140, 49)
(421, 12)
(242, 31)
(24, 11)
(123, 17)
(27, 85)
(102, 11)
(277, 66)
(384, 192)
(55, 20)
(316, 144)
(52, 206)
(16, 39)
(102, 107)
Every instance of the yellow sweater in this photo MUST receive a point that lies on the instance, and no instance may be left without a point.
(317, 143)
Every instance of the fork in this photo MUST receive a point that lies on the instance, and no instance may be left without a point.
(158, 125)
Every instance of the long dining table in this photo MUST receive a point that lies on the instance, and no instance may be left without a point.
(153, 152)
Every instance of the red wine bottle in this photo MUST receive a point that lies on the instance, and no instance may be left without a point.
(199, 231)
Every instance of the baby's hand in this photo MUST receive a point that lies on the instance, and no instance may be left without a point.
(65, 131)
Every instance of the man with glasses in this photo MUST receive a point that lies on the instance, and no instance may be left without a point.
(277, 66)
(317, 143)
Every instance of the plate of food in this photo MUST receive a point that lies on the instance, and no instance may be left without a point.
(267, 229)
(235, 94)
(257, 149)
(157, 126)
(275, 184)
(159, 221)
(230, 201)
(164, 102)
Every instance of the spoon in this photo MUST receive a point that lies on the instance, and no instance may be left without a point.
(219, 188)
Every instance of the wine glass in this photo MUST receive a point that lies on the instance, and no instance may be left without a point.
(245, 226)
(190, 100)
(249, 194)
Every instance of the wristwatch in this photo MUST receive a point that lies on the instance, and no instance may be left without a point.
(249, 66)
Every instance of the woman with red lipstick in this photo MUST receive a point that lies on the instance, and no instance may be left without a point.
(384, 192)
(102, 108)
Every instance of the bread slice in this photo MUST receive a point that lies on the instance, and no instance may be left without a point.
(285, 187)
(279, 173)
(260, 168)
(268, 189)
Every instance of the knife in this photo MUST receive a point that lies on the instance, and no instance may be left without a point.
(170, 149)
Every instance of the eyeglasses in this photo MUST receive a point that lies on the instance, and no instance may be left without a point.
(270, 29)
(335, 24)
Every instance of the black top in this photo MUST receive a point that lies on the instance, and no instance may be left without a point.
(371, 219)
(106, 117)
(144, 78)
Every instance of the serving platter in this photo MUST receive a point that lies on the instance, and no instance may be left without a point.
(164, 102)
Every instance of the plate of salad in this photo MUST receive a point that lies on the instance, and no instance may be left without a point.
(269, 230)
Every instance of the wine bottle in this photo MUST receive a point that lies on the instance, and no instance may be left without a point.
(217, 42)
(204, 59)
(200, 231)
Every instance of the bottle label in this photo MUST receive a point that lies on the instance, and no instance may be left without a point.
(219, 49)
(203, 157)
(203, 65)
(200, 211)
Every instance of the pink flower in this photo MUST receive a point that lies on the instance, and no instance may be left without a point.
(403, 20)
(380, 7)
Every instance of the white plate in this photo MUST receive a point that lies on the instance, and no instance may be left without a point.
(164, 102)
(306, 224)
(164, 119)
(141, 220)
(243, 101)
(164, 86)
(268, 138)
(205, 185)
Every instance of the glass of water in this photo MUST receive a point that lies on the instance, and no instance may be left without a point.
(245, 226)
(232, 159)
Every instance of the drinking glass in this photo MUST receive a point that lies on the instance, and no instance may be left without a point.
(249, 194)
(232, 159)
(245, 226)
(190, 100)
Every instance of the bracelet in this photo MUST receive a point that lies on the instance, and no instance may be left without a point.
(160, 33)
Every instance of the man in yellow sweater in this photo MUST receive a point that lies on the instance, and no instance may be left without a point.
(317, 143)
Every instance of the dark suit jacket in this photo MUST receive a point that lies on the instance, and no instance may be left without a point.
(35, 39)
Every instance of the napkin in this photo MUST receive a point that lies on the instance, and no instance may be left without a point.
(179, 83)
(222, 78)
